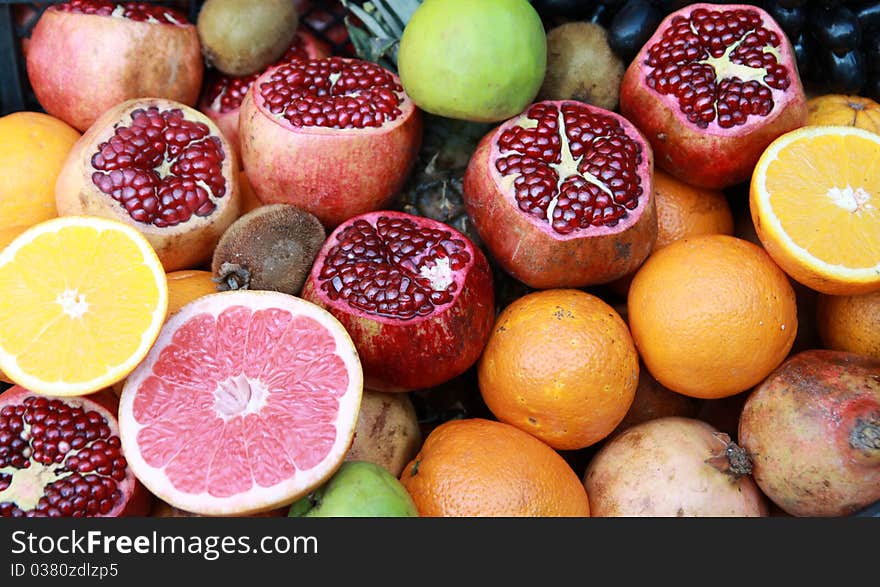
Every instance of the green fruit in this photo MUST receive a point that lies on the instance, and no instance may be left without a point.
(358, 489)
(478, 60)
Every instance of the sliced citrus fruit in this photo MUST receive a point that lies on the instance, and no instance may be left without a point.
(82, 299)
(247, 401)
(815, 203)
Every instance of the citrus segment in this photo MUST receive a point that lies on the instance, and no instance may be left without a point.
(247, 401)
(81, 302)
(815, 203)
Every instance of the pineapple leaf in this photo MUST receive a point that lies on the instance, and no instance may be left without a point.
(384, 21)
(372, 48)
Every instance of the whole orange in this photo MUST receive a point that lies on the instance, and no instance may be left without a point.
(33, 148)
(711, 315)
(844, 109)
(475, 467)
(683, 210)
(850, 323)
(561, 365)
(186, 285)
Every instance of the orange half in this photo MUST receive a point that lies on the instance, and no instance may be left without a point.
(815, 203)
(82, 300)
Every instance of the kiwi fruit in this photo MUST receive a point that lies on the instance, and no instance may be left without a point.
(272, 247)
(581, 66)
(241, 37)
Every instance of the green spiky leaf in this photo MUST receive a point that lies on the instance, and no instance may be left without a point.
(383, 22)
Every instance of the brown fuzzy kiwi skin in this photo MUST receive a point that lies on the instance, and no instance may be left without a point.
(241, 37)
(582, 66)
(272, 247)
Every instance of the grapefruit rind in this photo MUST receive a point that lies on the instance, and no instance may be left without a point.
(795, 260)
(9, 362)
(258, 499)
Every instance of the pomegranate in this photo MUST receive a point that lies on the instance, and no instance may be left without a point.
(672, 467)
(562, 195)
(160, 166)
(713, 86)
(85, 56)
(813, 431)
(62, 457)
(222, 98)
(336, 137)
(415, 295)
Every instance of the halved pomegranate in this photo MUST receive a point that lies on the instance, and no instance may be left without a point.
(336, 136)
(62, 457)
(713, 86)
(85, 56)
(160, 166)
(223, 95)
(562, 195)
(415, 295)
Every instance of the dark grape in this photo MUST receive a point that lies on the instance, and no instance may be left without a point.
(869, 16)
(632, 26)
(872, 87)
(668, 6)
(805, 55)
(843, 74)
(568, 8)
(601, 14)
(872, 53)
(792, 3)
(790, 19)
(837, 29)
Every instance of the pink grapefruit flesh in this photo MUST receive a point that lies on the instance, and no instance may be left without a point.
(247, 401)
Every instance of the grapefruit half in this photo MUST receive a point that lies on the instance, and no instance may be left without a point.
(247, 401)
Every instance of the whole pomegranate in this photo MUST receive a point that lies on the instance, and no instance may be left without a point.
(415, 295)
(223, 94)
(85, 56)
(562, 195)
(160, 166)
(812, 429)
(672, 467)
(62, 457)
(713, 86)
(336, 136)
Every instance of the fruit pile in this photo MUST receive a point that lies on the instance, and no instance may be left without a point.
(497, 258)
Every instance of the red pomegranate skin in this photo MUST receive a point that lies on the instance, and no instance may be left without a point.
(226, 115)
(400, 355)
(80, 65)
(712, 157)
(139, 500)
(185, 245)
(529, 250)
(333, 173)
(812, 429)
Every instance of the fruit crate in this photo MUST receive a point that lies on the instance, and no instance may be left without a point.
(17, 19)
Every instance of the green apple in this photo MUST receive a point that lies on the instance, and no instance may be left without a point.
(358, 489)
(477, 60)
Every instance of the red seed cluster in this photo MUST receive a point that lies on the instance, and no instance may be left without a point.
(139, 11)
(231, 90)
(379, 269)
(76, 444)
(334, 92)
(678, 69)
(600, 147)
(128, 167)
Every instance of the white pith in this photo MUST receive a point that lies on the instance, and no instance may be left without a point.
(258, 498)
(771, 223)
(9, 362)
(855, 200)
(439, 274)
(239, 396)
(72, 303)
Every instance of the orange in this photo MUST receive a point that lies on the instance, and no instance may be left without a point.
(815, 203)
(186, 285)
(711, 315)
(8, 233)
(683, 210)
(850, 323)
(561, 365)
(82, 300)
(33, 148)
(844, 110)
(475, 467)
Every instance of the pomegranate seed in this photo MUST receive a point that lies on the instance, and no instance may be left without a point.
(138, 11)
